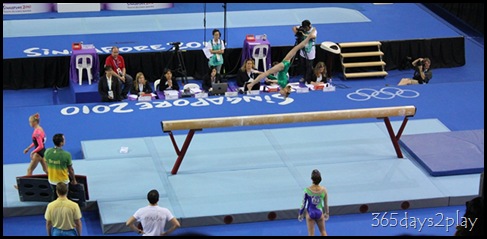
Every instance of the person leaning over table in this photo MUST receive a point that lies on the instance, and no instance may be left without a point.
(211, 78)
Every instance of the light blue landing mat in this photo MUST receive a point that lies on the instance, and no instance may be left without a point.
(255, 175)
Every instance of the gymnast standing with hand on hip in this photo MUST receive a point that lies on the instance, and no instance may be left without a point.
(315, 205)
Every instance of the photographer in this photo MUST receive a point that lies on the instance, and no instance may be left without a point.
(422, 72)
(308, 53)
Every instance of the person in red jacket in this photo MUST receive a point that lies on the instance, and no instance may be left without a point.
(116, 61)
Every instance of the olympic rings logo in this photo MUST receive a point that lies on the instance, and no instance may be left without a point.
(385, 93)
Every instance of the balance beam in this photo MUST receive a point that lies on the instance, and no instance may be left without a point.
(199, 124)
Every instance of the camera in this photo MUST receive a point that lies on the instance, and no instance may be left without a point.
(175, 45)
(300, 31)
(420, 63)
(300, 34)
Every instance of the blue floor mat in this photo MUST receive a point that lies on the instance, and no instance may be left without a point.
(447, 153)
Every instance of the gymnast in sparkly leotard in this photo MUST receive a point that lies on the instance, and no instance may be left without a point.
(315, 204)
(38, 143)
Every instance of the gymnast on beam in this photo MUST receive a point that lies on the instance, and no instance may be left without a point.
(282, 68)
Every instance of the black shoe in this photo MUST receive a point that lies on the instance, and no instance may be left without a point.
(124, 97)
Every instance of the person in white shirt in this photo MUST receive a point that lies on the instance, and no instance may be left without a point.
(214, 51)
(308, 53)
(153, 218)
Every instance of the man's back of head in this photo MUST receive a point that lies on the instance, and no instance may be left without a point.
(61, 189)
(153, 196)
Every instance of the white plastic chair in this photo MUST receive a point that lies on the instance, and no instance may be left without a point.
(84, 62)
(156, 84)
(260, 53)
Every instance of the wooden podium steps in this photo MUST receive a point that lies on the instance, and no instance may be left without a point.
(366, 74)
(364, 64)
(362, 59)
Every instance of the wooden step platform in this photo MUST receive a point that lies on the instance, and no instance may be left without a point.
(364, 64)
(366, 74)
(366, 55)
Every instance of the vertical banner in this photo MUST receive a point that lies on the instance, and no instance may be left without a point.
(136, 6)
(26, 8)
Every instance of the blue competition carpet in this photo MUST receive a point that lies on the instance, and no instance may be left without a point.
(97, 120)
(338, 226)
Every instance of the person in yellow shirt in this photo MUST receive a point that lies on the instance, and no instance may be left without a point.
(63, 216)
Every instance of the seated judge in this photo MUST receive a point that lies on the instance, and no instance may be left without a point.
(109, 86)
(141, 86)
(211, 78)
(247, 72)
(168, 82)
(318, 75)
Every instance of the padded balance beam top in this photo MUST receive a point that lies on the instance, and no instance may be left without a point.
(221, 122)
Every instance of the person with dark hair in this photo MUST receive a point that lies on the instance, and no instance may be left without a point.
(474, 214)
(168, 82)
(422, 72)
(282, 68)
(211, 78)
(63, 216)
(308, 54)
(153, 218)
(59, 164)
(216, 48)
(315, 205)
(116, 61)
(109, 86)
